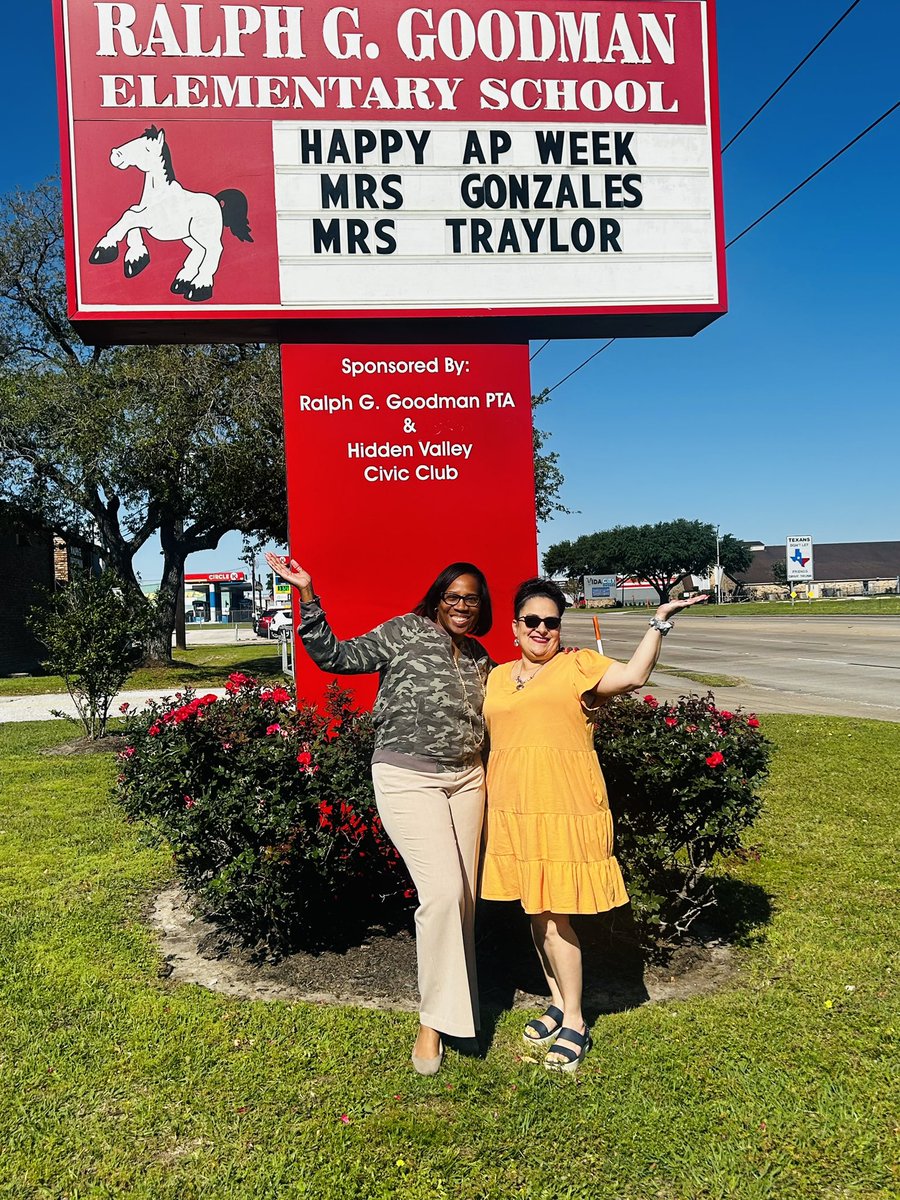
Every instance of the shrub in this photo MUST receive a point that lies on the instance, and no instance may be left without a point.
(269, 812)
(682, 779)
(94, 633)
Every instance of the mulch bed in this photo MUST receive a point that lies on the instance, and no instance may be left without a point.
(381, 972)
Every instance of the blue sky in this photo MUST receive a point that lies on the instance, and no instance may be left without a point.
(783, 416)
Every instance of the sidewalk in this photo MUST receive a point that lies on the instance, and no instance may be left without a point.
(42, 708)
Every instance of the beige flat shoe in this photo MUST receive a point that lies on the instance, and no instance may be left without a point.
(429, 1066)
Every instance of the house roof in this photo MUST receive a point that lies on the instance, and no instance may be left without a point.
(831, 561)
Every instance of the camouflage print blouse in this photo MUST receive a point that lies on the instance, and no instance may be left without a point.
(428, 711)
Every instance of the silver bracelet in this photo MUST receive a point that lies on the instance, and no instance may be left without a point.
(661, 627)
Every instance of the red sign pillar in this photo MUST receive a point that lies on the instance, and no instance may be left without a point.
(400, 460)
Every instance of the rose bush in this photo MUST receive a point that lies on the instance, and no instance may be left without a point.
(269, 812)
(682, 779)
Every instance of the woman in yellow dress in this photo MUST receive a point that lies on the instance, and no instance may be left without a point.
(549, 828)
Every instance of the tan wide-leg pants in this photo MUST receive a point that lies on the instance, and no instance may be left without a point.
(435, 823)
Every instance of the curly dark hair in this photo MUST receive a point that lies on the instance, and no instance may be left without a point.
(539, 587)
(428, 605)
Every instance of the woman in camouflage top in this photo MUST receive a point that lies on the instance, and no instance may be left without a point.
(427, 771)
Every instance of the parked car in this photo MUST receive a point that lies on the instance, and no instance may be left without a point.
(274, 623)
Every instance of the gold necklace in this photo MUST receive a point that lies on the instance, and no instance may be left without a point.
(522, 680)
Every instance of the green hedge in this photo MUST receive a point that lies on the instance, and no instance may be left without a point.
(270, 814)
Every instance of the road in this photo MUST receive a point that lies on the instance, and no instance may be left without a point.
(836, 666)
(840, 666)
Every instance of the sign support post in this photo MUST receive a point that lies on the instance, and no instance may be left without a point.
(401, 460)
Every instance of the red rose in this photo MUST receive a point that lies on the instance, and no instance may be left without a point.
(273, 729)
(154, 730)
(715, 759)
(691, 728)
(671, 721)
(124, 707)
(211, 698)
(304, 758)
(188, 802)
(651, 701)
(753, 723)
(726, 716)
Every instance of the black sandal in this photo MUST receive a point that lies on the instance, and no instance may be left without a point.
(573, 1057)
(543, 1035)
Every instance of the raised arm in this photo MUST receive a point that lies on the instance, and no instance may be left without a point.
(292, 573)
(625, 677)
(356, 656)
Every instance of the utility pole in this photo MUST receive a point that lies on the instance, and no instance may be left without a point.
(180, 633)
(718, 571)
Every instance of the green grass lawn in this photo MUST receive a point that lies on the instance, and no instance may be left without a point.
(118, 1083)
(705, 678)
(198, 666)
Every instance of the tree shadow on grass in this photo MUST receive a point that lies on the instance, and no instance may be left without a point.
(260, 664)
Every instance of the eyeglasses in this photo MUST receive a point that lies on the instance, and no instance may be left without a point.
(533, 621)
(452, 599)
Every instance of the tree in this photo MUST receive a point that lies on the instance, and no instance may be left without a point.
(590, 554)
(91, 629)
(548, 478)
(115, 446)
(112, 447)
(734, 556)
(779, 571)
(657, 554)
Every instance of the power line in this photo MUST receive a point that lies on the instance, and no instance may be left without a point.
(539, 349)
(758, 221)
(580, 365)
(824, 38)
(818, 171)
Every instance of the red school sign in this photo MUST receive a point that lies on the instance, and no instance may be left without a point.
(246, 171)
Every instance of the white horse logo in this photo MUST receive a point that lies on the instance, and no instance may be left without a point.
(171, 213)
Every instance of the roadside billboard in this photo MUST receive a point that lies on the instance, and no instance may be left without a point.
(599, 587)
(799, 559)
(267, 172)
(281, 593)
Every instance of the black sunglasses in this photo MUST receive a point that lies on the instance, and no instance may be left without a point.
(533, 621)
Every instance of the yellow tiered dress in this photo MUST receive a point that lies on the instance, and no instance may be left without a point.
(549, 828)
